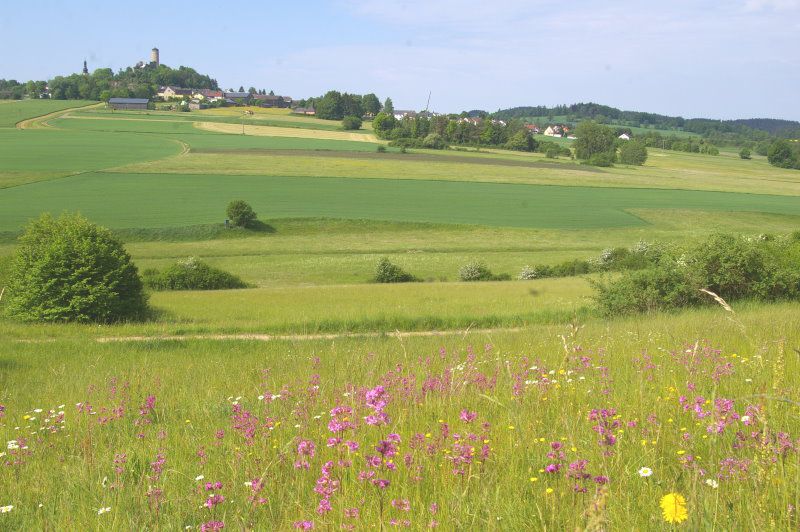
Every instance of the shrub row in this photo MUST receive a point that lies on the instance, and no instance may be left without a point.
(764, 268)
(191, 274)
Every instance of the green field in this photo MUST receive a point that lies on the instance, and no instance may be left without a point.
(199, 140)
(128, 201)
(12, 112)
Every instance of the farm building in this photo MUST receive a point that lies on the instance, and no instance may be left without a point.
(624, 136)
(304, 111)
(272, 100)
(128, 103)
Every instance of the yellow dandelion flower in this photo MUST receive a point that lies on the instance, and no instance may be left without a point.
(549, 491)
(673, 506)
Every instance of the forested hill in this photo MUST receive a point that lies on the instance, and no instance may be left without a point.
(606, 114)
(784, 128)
(139, 82)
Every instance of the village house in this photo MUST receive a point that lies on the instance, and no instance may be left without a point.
(624, 136)
(533, 129)
(399, 115)
(168, 93)
(553, 131)
(207, 94)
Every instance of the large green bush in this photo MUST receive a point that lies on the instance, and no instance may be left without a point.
(69, 269)
(632, 152)
(351, 122)
(192, 274)
(664, 287)
(386, 272)
(241, 214)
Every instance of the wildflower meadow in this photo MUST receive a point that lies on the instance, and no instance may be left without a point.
(558, 428)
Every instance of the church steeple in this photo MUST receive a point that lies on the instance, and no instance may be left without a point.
(85, 68)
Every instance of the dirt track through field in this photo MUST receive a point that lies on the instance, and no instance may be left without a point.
(39, 122)
(305, 337)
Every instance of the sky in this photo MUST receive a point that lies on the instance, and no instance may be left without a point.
(694, 58)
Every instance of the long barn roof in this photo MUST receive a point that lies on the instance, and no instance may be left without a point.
(128, 100)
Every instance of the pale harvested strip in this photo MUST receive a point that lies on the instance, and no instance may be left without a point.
(116, 118)
(274, 131)
(305, 337)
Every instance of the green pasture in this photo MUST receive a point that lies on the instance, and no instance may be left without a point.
(167, 200)
(664, 169)
(229, 115)
(15, 111)
(364, 308)
(200, 140)
(28, 155)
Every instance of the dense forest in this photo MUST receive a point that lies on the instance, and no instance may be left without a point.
(103, 83)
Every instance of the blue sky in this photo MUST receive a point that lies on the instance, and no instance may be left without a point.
(720, 59)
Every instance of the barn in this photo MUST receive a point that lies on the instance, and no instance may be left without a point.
(128, 103)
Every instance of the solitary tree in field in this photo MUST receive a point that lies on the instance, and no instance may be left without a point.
(633, 152)
(780, 154)
(241, 214)
(351, 122)
(69, 269)
(595, 143)
(744, 153)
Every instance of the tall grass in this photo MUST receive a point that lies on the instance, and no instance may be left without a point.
(153, 417)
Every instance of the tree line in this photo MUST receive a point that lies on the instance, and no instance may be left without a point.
(423, 130)
(104, 83)
(335, 105)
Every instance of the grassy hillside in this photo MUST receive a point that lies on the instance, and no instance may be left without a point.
(15, 111)
(126, 200)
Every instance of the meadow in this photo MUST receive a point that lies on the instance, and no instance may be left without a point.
(319, 399)
(421, 431)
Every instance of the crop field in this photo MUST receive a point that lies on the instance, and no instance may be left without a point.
(12, 112)
(127, 201)
(318, 398)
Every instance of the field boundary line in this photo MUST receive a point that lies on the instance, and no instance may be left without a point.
(41, 121)
(303, 337)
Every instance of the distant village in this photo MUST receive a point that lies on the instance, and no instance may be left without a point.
(190, 99)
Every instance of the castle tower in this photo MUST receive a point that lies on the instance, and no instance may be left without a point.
(85, 68)
(154, 56)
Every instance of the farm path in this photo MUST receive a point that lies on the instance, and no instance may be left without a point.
(306, 337)
(39, 122)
